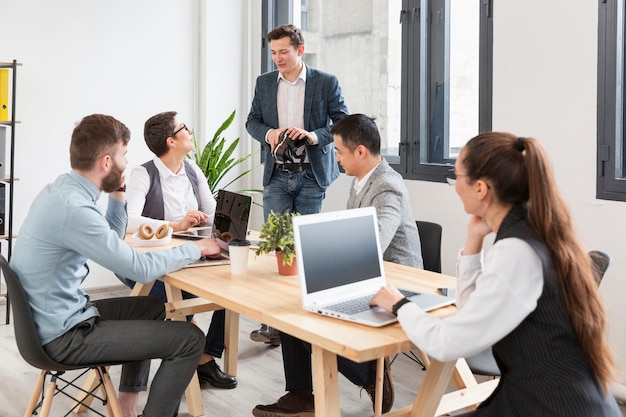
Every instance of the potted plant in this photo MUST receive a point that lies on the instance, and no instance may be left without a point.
(277, 235)
(216, 160)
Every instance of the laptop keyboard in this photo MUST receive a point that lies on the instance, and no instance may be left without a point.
(357, 305)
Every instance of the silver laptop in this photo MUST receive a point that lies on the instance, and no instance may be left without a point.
(230, 221)
(340, 267)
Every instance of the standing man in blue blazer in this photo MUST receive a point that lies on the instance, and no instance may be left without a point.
(291, 113)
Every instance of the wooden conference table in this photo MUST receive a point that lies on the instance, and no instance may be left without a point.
(265, 296)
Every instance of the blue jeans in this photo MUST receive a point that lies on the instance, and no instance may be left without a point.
(214, 341)
(296, 191)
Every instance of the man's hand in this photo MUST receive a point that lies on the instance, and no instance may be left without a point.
(272, 138)
(209, 247)
(294, 133)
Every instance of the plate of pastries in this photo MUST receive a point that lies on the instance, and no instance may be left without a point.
(146, 235)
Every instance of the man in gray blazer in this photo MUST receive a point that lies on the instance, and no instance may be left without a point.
(300, 103)
(357, 143)
(376, 184)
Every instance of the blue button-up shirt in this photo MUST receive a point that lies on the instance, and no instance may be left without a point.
(64, 228)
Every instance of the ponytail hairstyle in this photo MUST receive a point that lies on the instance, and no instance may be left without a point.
(519, 173)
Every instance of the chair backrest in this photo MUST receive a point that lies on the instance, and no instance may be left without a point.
(430, 239)
(26, 337)
(601, 262)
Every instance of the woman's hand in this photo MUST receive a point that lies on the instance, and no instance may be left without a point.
(386, 297)
(191, 219)
(477, 229)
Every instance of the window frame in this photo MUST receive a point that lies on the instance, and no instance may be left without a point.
(610, 129)
(407, 161)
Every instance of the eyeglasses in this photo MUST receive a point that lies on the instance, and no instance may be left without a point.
(183, 127)
(451, 176)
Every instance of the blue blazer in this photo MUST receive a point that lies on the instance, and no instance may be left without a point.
(323, 105)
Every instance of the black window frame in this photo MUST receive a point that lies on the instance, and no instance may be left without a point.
(610, 130)
(407, 160)
(409, 163)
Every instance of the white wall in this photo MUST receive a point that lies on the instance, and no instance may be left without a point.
(127, 59)
(544, 86)
(134, 59)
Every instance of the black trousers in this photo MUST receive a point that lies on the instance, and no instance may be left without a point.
(297, 364)
(132, 329)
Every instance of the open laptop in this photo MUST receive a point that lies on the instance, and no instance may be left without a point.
(340, 263)
(230, 222)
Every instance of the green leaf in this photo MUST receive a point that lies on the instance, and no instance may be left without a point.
(277, 231)
(216, 160)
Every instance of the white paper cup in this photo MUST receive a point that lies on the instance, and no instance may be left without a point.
(238, 250)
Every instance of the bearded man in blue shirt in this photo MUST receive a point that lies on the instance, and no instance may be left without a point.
(63, 229)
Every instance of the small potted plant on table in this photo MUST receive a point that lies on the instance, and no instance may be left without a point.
(277, 232)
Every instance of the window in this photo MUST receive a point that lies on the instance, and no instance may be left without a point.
(422, 68)
(611, 163)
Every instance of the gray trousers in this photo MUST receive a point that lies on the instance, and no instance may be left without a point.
(131, 329)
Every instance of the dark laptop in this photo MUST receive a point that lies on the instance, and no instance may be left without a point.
(230, 222)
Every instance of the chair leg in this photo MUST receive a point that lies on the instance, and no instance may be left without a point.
(34, 398)
(108, 392)
(85, 400)
(48, 396)
(425, 358)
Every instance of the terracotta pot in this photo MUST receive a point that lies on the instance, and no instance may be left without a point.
(286, 269)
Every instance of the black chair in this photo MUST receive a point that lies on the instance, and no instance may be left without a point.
(30, 348)
(485, 364)
(430, 239)
(601, 262)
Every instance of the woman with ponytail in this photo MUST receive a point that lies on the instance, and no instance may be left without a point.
(533, 297)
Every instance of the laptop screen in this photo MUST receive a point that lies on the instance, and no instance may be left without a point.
(231, 216)
(339, 251)
(230, 221)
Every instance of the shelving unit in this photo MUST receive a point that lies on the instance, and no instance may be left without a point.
(6, 182)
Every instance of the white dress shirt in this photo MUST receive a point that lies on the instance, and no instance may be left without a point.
(492, 299)
(178, 196)
(290, 104)
(360, 184)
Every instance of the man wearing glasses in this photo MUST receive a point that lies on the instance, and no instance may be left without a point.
(171, 189)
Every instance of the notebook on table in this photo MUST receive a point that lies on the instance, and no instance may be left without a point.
(230, 221)
(340, 267)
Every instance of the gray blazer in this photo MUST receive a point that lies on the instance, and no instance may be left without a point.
(399, 238)
(323, 103)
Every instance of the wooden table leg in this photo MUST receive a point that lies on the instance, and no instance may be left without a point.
(141, 289)
(193, 394)
(231, 342)
(433, 387)
(325, 383)
(380, 378)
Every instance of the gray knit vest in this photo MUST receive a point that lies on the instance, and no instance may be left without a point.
(154, 207)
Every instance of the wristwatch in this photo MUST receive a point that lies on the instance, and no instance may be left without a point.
(396, 306)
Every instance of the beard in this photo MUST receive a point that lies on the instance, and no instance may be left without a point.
(113, 180)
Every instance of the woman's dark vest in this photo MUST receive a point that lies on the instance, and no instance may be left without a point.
(544, 370)
(154, 207)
